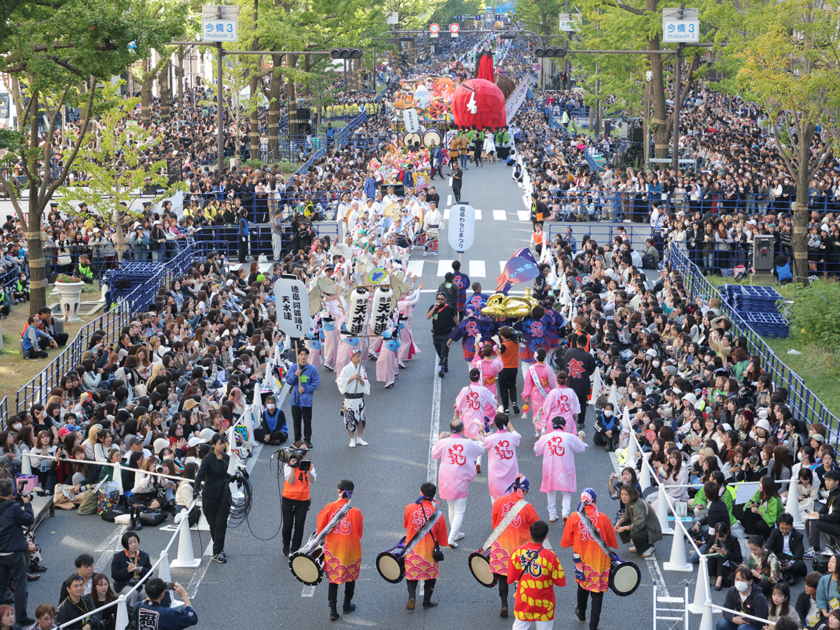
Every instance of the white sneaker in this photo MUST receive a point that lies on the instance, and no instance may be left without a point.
(459, 536)
(353, 443)
(361, 442)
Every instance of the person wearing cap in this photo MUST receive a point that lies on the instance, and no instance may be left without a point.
(557, 448)
(354, 385)
(592, 565)
(457, 455)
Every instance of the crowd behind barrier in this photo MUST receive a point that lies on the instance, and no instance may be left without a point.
(801, 400)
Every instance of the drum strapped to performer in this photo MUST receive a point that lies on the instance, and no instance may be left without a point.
(307, 563)
(479, 561)
(625, 577)
(391, 563)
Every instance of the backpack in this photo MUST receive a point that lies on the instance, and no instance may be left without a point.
(648, 261)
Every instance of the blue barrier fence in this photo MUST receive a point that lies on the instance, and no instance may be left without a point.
(803, 403)
(109, 324)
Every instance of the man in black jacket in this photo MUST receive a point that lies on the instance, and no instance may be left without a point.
(14, 516)
(579, 365)
(828, 518)
(789, 547)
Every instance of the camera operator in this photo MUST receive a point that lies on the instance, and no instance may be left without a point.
(298, 474)
(15, 514)
(152, 614)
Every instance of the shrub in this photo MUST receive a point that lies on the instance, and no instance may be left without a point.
(814, 315)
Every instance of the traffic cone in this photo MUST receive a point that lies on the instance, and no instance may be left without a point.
(678, 561)
(122, 613)
(792, 506)
(202, 525)
(25, 464)
(186, 558)
(698, 605)
(118, 477)
(662, 511)
(707, 622)
(644, 475)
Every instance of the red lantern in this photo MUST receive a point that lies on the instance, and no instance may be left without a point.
(479, 102)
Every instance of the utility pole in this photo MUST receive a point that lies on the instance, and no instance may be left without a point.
(675, 134)
(220, 108)
(646, 120)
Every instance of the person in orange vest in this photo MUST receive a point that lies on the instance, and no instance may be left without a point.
(298, 475)
(538, 238)
(342, 549)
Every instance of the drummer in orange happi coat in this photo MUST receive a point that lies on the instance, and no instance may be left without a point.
(515, 535)
(342, 549)
(420, 563)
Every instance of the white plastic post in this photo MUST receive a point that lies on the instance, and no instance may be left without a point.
(662, 512)
(25, 464)
(597, 386)
(707, 622)
(644, 476)
(118, 477)
(163, 567)
(202, 525)
(122, 613)
(698, 605)
(678, 561)
(792, 506)
(186, 558)
(235, 492)
(631, 452)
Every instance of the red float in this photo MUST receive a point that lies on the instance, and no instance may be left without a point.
(479, 102)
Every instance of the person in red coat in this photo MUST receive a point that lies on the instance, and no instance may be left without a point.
(592, 565)
(514, 536)
(419, 562)
(342, 549)
(541, 571)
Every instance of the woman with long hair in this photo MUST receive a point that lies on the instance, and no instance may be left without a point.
(762, 511)
(102, 594)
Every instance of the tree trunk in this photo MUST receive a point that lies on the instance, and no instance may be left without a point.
(146, 101)
(165, 93)
(254, 122)
(799, 239)
(306, 62)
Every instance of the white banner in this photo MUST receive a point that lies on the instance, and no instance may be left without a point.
(461, 227)
(412, 123)
(292, 302)
(518, 97)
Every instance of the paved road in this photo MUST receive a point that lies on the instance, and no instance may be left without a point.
(256, 588)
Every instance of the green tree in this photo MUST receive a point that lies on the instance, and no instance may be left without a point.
(60, 52)
(117, 171)
(787, 56)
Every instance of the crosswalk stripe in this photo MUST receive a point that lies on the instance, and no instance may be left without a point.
(477, 269)
(446, 214)
(449, 200)
(502, 264)
(499, 215)
(523, 215)
(415, 267)
(478, 215)
(444, 267)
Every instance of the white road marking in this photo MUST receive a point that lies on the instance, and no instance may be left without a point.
(523, 215)
(446, 214)
(499, 215)
(415, 267)
(477, 269)
(478, 215)
(444, 267)
(502, 264)
(434, 430)
(449, 197)
(107, 548)
(308, 591)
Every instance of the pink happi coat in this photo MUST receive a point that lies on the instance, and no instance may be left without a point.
(561, 402)
(406, 305)
(503, 465)
(558, 450)
(548, 381)
(489, 369)
(386, 365)
(330, 343)
(457, 457)
(470, 405)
